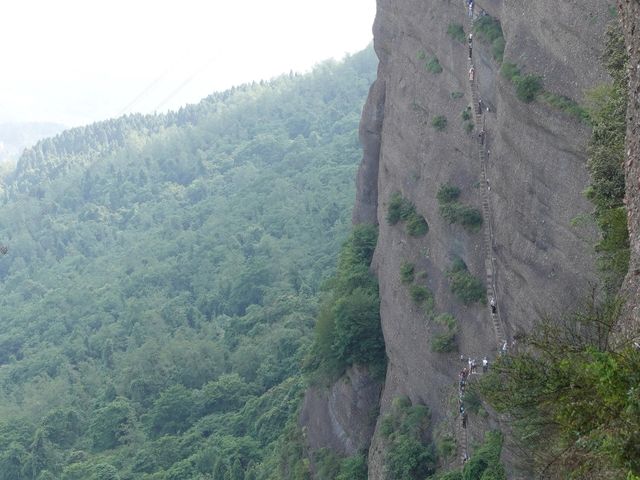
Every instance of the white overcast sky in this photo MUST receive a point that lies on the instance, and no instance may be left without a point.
(77, 61)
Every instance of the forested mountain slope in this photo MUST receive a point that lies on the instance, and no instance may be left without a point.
(162, 279)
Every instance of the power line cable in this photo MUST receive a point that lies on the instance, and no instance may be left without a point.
(185, 83)
(143, 92)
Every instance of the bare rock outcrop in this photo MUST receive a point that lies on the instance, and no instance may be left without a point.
(366, 205)
(341, 417)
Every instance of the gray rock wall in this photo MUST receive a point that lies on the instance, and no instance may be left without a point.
(341, 417)
(536, 171)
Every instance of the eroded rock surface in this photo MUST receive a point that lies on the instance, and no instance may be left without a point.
(342, 417)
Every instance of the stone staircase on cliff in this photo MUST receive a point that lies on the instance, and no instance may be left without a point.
(485, 188)
(487, 232)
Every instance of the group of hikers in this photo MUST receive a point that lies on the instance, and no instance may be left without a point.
(464, 373)
(463, 378)
(473, 366)
(472, 76)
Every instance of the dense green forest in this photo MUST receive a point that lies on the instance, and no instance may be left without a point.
(162, 280)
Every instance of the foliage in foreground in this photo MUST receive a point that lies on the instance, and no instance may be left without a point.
(408, 455)
(484, 463)
(573, 401)
(330, 466)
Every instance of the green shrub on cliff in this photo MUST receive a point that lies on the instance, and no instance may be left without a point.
(402, 209)
(472, 400)
(528, 87)
(417, 226)
(439, 122)
(447, 320)
(419, 294)
(447, 193)
(445, 447)
(455, 31)
(565, 104)
(510, 71)
(531, 87)
(453, 212)
(445, 341)
(463, 285)
(434, 66)
(489, 30)
(470, 218)
(407, 272)
(484, 463)
(399, 208)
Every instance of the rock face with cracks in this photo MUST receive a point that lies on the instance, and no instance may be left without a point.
(342, 417)
(535, 164)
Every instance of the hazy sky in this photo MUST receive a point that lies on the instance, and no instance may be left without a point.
(76, 61)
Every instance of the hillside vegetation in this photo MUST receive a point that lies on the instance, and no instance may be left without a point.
(163, 277)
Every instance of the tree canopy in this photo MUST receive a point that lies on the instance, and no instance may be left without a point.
(163, 279)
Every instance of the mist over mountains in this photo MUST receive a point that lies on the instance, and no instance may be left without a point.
(15, 137)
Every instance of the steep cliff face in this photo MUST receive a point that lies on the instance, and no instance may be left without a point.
(533, 179)
(342, 417)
